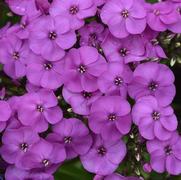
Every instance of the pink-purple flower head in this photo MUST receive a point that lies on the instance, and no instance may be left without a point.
(104, 156)
(39, 107)
(75, 11)
(92, 34)
(114, 176)
(81, 102)
(110, 117)
(153, 79)
(43, 156)
(23, 7)
(73, 135)
(152, 44)
(166, 155)
(124, 17)
(115, 79)
(14, 54)
(127, 50)
(5, 114)
(50, 36)
(17, 142)
(45, 73)
(82, 68)
(160, 15)
(153, 120)
(12, 173)
(176, 27)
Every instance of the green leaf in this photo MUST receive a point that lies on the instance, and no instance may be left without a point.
(73, 170)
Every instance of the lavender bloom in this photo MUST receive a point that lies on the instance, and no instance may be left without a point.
(82, 68)
(5, 113)
(124, 17)
(73, 135)
(153, 119)
(43, 5)
(74, 11)
(114, 81)
(14, 54)
(160, 15)
(44, 156)
(17, 142)
(153, 49)
(81, 102)
(153, 79)
(40, 106)
(114, 176)
(21, 30)
(49, 37)
(104, 156)
(23, 7)
(92, 34)
(127, 50)
(45, 73)
(166, 155)
(110, 117)
(176, 27)
(13, 173)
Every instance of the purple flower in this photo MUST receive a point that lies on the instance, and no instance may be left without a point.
(73, 135)
(110, 117)
(13, 173)
(82, 68)
(14, 54)
(104, 156)
(45, 73)
(127, 50)
(23, 7)
(5, 113)
(160, 15)
(43, 5)
(114, 81)
(74, 11)
(114, 176)
(147, 168)
(44, 156)
(176, 27)
(16, 143)
(166, 155)
(81, 102)
(50, 36)
(40, 106)
(4, 30)
(99, 2)
(154, 120)
(21, 30)
(153, 79)
(124, 17)
(92, 34)
(153, 49)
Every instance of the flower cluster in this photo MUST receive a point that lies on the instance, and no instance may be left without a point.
(98, 64)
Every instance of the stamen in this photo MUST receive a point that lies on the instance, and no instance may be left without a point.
(52, 35)
(24, 147)
(73, 10)
(101, 150)
(81, 69)
(16, 55)
(67, 140)
(118, 81)
(125, 13)
(40, 108)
